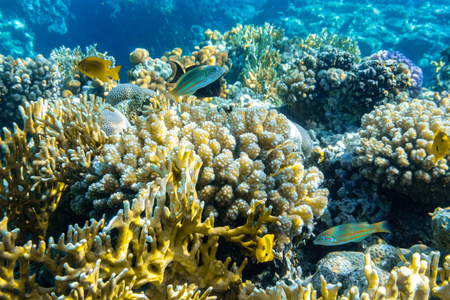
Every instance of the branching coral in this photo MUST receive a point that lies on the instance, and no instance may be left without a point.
(314, 42)
(258, 48)
(158, 240)
(56, 143)
(394, 148)
(417, 281)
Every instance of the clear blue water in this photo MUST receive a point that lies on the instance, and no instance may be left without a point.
(418, 29)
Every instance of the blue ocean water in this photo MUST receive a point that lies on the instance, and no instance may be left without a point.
(418, 29)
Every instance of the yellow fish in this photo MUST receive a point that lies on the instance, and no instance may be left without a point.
(98, 67)
(264, 249)
(441, 145)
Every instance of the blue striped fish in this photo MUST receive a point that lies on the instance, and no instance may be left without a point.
(351, 232)
(198, 80)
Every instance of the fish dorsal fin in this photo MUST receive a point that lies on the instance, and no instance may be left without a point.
(177, 71)
(192, 67)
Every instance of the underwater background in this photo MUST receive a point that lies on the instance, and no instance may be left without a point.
(252, 176)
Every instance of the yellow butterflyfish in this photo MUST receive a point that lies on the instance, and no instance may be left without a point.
(264, 249)
(96, 67)
(441, 145)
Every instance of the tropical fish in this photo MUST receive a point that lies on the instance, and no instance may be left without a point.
(351, 232)
(264, 249)
(200, 81)
(441, 145)
(95, 67)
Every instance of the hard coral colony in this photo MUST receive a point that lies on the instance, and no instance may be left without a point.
(185, 196)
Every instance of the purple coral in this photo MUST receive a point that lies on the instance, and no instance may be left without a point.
(416, 72)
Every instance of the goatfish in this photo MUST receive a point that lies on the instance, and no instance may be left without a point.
(96, 67)
(200, 81)
(351, 232)
(264, 249)
(441, 146)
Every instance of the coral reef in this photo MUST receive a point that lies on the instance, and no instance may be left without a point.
(129, 99)
(114, 122)
(58, 139)
(163, 245)
(416, 72)
(440, 226)
(254, 51)
(314, 42)
(23, 80)
(73, 81)
(181, 192)
(393, 149)
(441, 82)
(332, 89)
(246, 155)
(153, 74)
(418, 280)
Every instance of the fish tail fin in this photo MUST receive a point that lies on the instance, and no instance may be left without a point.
(383, 227)
(114, 72)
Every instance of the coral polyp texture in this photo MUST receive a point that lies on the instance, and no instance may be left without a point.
(333, 90)
(129, 99)
(416, 72)
(23, 80)
(394, 148)
(247, 155)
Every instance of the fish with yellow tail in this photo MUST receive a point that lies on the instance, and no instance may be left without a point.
(264, 249)
(197, 80)
(441, 146)
(96, 67)
(351, 232)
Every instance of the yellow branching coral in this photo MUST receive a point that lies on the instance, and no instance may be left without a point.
(56, 143)
(157, 240)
